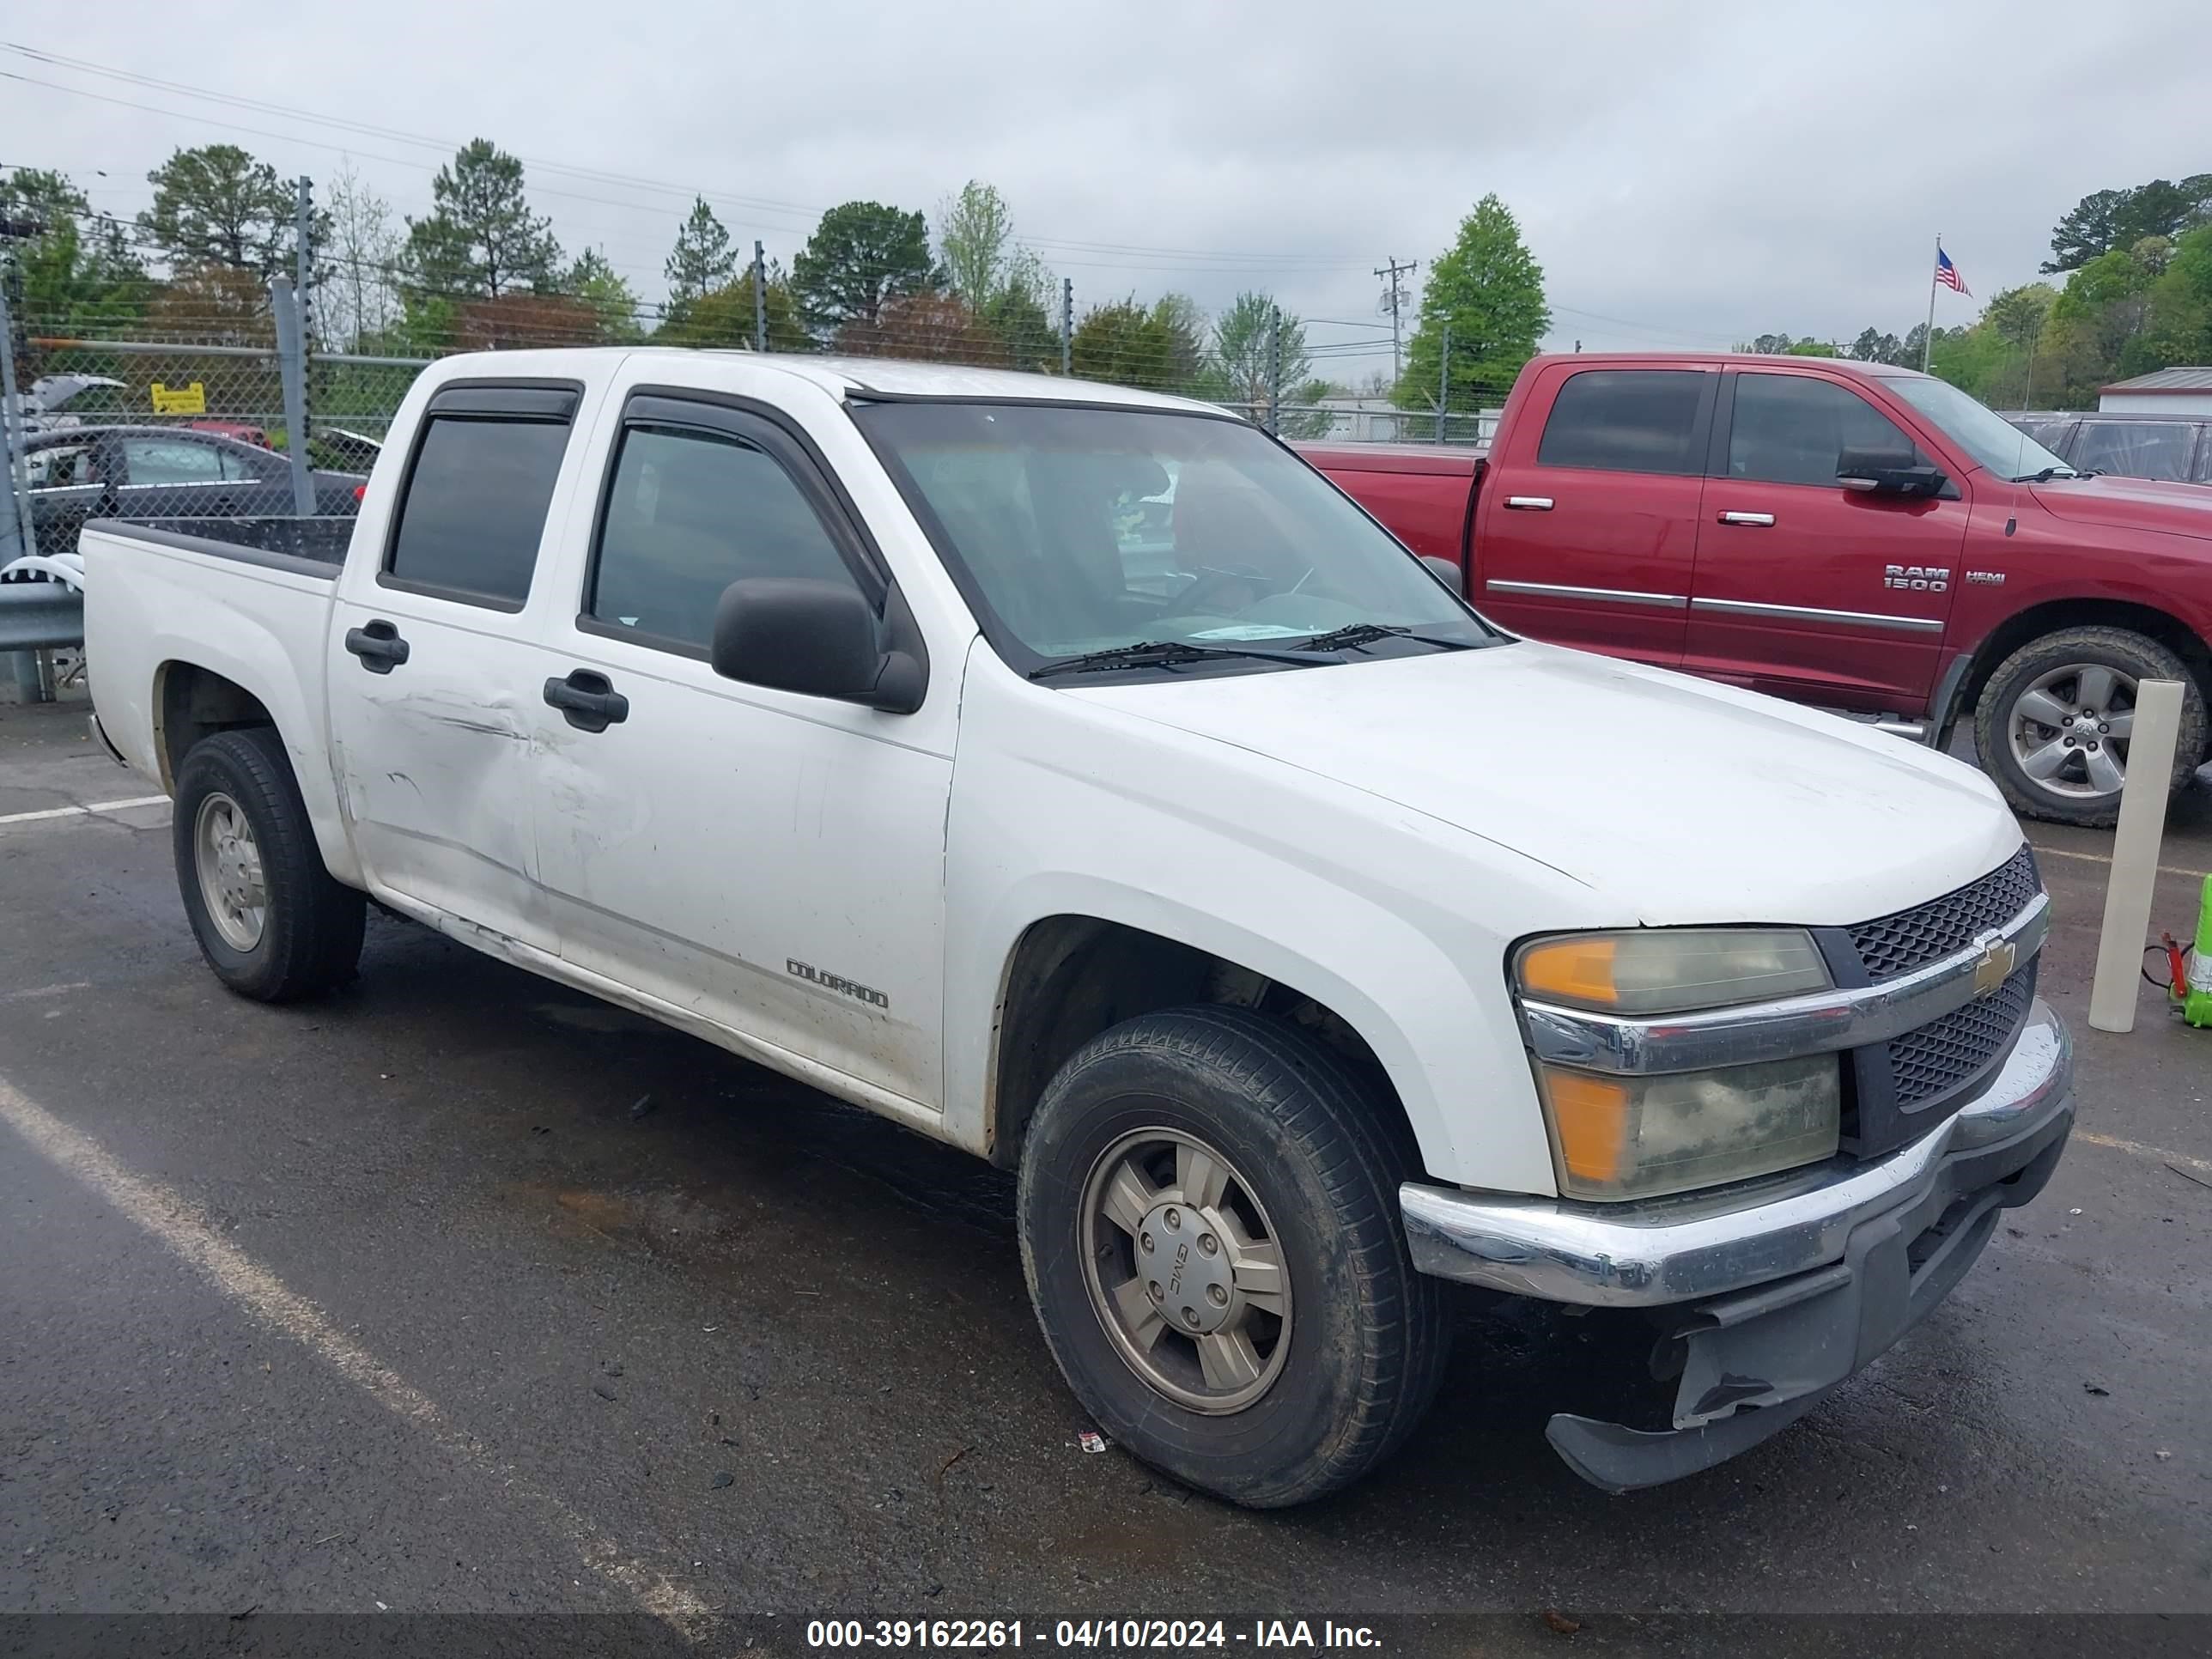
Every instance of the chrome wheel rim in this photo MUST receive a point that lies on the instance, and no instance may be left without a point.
(2070, 730)
(1185, 1271)
(229, 862)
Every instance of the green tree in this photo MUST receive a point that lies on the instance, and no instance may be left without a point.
(1810, 347)
(1004, 284)
(1873, 346)
(608, 297)
(75, 271)
(1487, 290)
(975, 231)
(723, 316)
(1183, 324)
(2106, 220)
(2178, 329)
(1024, 329)
(860, 254)
(1242, 365)
(216, 205)
(1158, 346)
(481, 241)
(702, 258)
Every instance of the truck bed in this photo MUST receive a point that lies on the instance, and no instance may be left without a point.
(250, 605)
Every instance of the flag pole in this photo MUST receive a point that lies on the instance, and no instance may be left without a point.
(1928, 340)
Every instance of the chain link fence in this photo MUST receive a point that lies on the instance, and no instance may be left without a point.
(215, 390)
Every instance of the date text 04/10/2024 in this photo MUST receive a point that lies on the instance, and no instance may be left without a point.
(1281, 1635)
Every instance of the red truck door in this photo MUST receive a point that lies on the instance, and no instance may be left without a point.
(1586, 529)
(1806, 588)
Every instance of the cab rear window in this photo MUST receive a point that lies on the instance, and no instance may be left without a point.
(1628, 420)
(473, 510)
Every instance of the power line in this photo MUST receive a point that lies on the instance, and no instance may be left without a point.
(1251, 261)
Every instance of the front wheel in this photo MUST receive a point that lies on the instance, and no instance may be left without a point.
(2056, 722)
(1209, 1229)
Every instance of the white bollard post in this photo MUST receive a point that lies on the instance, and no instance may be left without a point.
(2135, 855)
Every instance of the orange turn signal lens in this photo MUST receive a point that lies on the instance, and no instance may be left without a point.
(1573, 970)
(1591, 1116)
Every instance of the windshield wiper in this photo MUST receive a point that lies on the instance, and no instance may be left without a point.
(2050, 472)
(1164, 653)
(1352, 635)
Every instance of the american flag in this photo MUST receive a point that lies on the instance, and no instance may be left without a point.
(1947, 274)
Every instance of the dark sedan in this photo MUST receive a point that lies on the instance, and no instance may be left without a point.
(149, 473)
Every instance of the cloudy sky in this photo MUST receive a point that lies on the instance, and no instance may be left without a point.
(1688, 174)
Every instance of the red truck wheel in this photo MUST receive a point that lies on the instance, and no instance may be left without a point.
(2055, 721)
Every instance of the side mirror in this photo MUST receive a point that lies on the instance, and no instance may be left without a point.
(822, 639)
(1887, 472)
(1447, 572)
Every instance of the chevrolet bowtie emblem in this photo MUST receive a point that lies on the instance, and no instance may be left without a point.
(1994, 967)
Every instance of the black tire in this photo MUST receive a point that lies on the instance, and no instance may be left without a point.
(2072, 798)
(311, 928)
(1324, 1151)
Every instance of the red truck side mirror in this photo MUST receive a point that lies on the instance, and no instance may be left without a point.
(1447, 572)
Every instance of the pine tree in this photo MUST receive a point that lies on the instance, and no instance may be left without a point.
(481, 239)
(702, 259)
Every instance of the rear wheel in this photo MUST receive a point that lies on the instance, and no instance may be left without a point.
(1210, 1227)
(2056, 722)
(271, 920)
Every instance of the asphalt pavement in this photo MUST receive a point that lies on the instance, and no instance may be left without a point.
(459, 1293)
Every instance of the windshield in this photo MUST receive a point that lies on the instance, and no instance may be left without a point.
(1991, 438)
(1077, 532)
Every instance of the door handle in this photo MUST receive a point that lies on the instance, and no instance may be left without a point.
(1754, 520)
(1529, 503)
(588, 700)
(379, 647)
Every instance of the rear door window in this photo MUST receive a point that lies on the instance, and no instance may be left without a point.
(473, 510)
(1629, 420)
(2136, 449)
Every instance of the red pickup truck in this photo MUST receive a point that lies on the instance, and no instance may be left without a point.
(1846, 534)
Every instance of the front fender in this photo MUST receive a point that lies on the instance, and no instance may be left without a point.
(1398, 923)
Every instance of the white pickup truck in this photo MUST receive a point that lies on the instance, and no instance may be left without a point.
(1074, 775)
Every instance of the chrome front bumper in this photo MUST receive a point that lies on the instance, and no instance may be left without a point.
(1761, 1299)
(1671, 1250)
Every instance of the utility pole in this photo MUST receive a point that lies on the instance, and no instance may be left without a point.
(1393, 297)
(1067, 325)
(760, 297)
(1275, 369)
(1444, 381)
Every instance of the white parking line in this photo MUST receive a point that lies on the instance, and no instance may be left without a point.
(2156, 1154)
(82, 811)
(38, 991)
(181, 1228)
(2062, 853)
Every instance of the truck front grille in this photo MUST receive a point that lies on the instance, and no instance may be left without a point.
(1944, 1054)
(1901, 1088)
(1897, 944)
